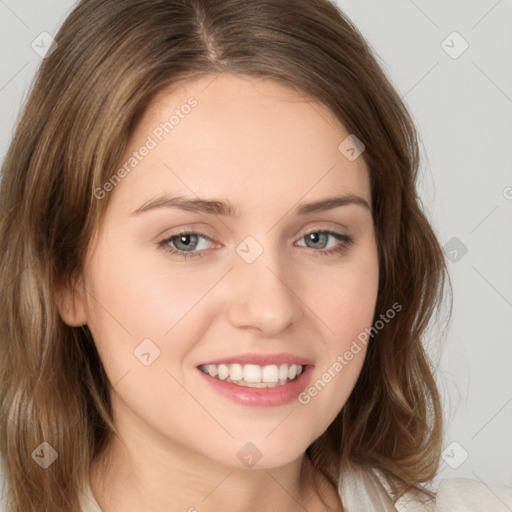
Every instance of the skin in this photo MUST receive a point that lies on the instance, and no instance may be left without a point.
(266, 149)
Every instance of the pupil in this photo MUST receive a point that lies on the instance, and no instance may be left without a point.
(186, 242)
(317, 238)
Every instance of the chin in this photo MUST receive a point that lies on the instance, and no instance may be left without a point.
(259, 453)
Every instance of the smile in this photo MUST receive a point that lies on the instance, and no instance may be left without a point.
(253, 375)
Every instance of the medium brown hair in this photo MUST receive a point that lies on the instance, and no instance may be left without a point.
(112, 57)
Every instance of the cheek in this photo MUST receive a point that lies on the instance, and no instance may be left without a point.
(138, 298)
(132, 309)
(346, 304)
(145, 319)
(347, 308)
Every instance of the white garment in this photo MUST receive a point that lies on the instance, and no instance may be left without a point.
(366, 492)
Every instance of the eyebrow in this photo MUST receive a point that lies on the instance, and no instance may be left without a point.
(225, 208)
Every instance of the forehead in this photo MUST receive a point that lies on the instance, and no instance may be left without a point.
(253, 139)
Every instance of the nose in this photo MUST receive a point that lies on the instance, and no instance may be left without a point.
(263, 297)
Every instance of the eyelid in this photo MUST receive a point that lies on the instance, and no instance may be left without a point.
(334, 227)
(186, 230)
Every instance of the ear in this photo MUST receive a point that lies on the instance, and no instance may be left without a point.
(70, 300)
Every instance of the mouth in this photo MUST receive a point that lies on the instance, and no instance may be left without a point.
(253, 375)
(258, 380)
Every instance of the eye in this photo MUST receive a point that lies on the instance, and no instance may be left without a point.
(319, 239)
(186, 244)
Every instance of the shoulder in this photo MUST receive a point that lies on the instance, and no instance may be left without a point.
(363, 490)
(466, 495)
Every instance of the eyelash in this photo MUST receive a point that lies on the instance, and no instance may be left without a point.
(346, 240)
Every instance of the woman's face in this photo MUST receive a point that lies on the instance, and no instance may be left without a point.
(239, 236)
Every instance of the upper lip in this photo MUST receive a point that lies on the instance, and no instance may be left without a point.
(261, 359)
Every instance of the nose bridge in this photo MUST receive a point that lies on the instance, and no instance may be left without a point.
(261, 296)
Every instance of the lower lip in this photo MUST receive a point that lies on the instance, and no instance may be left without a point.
(261, 397)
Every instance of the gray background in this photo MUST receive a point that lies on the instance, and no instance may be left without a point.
(463, 110)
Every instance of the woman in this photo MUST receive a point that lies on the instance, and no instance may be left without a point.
(217, 272)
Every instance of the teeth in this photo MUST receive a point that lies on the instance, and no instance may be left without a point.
(212, 370)
(253, 375)
(236, 372)
(223, 371)
(270, 374)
